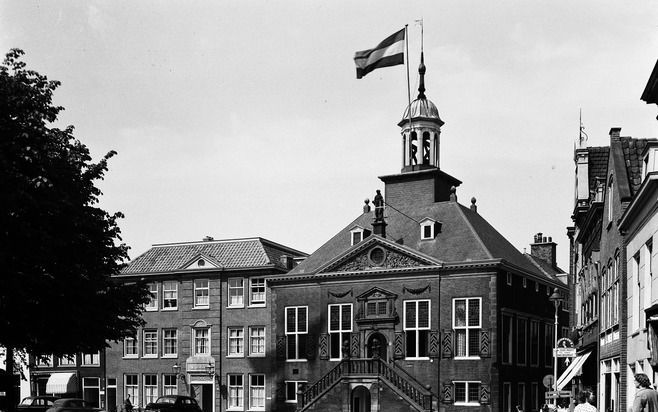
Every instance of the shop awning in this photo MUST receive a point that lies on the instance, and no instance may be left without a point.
(572, 370)
(63, 382)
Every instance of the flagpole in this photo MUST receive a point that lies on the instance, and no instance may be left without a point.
(408, 148)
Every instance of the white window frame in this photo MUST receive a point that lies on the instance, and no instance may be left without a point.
(131, 388)
(235, 336)
(150, 389)
(343, 333)
(468, 329)
(200, 341)
(170, 295)
(169, 388)
(167, 342)
(467, 385)
(295, 333)
(150, 343)
(91, 359)
(417, 330)
(89, 382)
(257, 341)
(353, 232)
(237, 300)
(66, 360)
(235, 398)
(525, 282)
(509, 278)
(130, 343)
(254, 287)
(520, 395)
(611, 198)
(201, 294)
(152, 306)
(519, 349)
(46, 361)
(256, 391)
(297, 385)
(427, 223)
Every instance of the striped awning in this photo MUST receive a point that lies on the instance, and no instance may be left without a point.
(62, 382)
(572, 370)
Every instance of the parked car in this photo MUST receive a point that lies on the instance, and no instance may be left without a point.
(174, 403)
(36, 403)
(73, 405)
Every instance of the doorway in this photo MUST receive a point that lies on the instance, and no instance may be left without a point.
(377, 345)
(360, 399)
(203, 393)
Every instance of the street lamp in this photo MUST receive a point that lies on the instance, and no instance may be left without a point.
(176, 370)
(556, 298)
(210, 369)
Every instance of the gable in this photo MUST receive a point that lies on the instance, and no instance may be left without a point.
(377, 254)
(200, 261)
(376, 293)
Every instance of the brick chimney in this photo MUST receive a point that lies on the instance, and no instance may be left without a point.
(544, 249)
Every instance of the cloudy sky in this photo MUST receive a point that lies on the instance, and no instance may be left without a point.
(244, 118)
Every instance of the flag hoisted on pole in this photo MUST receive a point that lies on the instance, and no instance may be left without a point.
(389, 52)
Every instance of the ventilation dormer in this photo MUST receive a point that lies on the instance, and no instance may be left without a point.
(357, 234)
(429, 228)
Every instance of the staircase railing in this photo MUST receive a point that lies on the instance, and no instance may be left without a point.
(408, 386)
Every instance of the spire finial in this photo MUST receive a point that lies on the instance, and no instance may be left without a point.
(421, 71)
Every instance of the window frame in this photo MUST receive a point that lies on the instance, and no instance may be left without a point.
(467, 328)
(239, 398)
(134, 344)
(148, 350)
(230, 288)
(467, 385)
(167, 387)
(259, 338)
(168, 339)
(130, 388)
(199, 293)
(195, 339)
(297, 384)
(420, 332)
(154, 388)
(153, 304)
(521, 348)
(253, 302)
(340, 331)
(235, 344)
(95, 359)
(170, 303)
(296, 334)
(262, 387)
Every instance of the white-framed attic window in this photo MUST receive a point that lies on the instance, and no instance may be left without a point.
(429, 228)
(357, 234)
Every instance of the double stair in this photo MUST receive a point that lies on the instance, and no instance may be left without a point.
(404, 384)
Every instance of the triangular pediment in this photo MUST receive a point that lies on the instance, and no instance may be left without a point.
(200, 261)
(376, 293)
(377, 253)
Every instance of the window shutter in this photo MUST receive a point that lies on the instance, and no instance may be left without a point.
(281, 347)
(324, 346)
(485, 343)
(354, 345)
(446, 343)
(434, 344)
(310, 347)
(447, 393)
(485, 394)
(398, 347)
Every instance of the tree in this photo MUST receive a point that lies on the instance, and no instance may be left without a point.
(59, 252)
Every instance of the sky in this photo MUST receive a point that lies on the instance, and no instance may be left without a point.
(237, 119)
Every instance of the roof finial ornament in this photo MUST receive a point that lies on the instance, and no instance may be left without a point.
(421, 71)
(582, 137)
(473, 205)
(453, 194)
(366, 206)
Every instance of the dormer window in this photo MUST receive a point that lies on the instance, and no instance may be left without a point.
(357, 234)
(649, 161)
(429, 229)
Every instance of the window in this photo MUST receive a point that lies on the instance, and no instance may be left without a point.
(130, 348)
(376, 308)
(506, 347)
(534, 343)
(356, 235)
(256, 392)
(507, 397)
(548, 344)
(169, 343)
(467, 393)
(525, 283)
(131, 387)
(201, 341)
(66, 360)
(46, 361)
(169, 386)
(340, 326)
(91, 388)
(520, 395)
(235, 341)
(150, 344)
(537, 287)
(521, 347)
(235, 392)
(91, 359)
(256, 340)
(236, 292)
(509, 279)
(427, 229)
(169, 295)
(257, 291)
(292, 388)
(296, 331)
(150, 388)
(610, 200)
(466, 322)
(534, 396)
(153, 303)
(416, 328)
(201, 293)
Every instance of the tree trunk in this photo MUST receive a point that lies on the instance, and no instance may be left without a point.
(9, 367)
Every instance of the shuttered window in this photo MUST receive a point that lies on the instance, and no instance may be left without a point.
(466, 321)
(340, 326)
(296, 332)
(417, 321)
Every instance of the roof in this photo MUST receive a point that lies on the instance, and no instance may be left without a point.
(544, 266)
(632, 150)
(464, 236)
(650, 93)
(597, 167)
(227, 254)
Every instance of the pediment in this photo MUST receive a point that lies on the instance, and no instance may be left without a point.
(200, 261)
(377, 253)
(376, 293)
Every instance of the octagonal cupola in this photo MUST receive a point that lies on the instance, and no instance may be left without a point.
(421, 130)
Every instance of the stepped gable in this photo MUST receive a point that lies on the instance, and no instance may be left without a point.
(464, 237)
(231, 254)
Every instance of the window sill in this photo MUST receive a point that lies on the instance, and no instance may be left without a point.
(235, 307)
(169, 309)
(233, 356)
(467, 358)
(91, 366)
(150, 357)
(257, 355)
(170, 356)
(151, 310)
(466, 404)
(131, 357)
(201, 307)
(296, 360)
(417, 359)
(257, 305)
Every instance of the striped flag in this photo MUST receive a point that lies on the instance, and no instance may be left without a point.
(389, 52)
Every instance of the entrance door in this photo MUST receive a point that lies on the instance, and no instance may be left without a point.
(377, 344)
(203, 393)
(360, 399)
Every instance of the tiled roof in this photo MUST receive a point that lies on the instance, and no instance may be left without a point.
(632, 149)
(465, 236)
(228, 254)
(597, 165)
(544, 266)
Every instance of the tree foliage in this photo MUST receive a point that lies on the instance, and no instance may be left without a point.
(59, 252)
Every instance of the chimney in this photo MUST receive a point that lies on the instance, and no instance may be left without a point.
(544, 249)
(615, 132)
